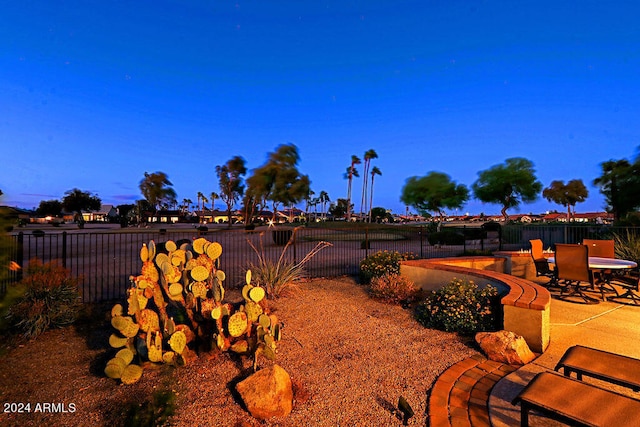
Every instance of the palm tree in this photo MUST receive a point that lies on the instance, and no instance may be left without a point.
(351, 172)
(213, 197)
(323, 198)
(368, 156)
(374, 171)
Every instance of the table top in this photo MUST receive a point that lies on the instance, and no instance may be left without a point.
(596, 262)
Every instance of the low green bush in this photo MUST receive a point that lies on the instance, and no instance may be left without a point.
(393, 289)
(460, 306)
(51, 299)
(381, 263)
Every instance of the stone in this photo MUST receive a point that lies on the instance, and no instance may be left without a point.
(267, 393)
(505, 347)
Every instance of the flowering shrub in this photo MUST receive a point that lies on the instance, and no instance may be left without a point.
(460, 306)
(381, 263)
(51, 299)
(393, 288)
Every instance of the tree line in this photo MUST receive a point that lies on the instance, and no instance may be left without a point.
(278, 183)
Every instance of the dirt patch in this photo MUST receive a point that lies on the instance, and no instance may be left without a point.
(350, 358)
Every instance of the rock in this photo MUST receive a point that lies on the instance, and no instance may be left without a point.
(267, 393)
(505, 347)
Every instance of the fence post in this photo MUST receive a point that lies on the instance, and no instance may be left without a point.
(20, 255)
(293, 243)
(64, 249)
(464, 238)
(366, 242)
(421, 232)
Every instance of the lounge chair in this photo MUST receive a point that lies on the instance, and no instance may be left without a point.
(573, 273)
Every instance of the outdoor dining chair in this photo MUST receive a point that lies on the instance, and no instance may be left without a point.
(572, 271)
(602, 249)
(543, 268)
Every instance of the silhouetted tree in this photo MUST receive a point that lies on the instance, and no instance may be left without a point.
(230, 179)
(566, 195)
(620, 185)
(508, 184)
(434, 192)
(76, 201)
(156, 189)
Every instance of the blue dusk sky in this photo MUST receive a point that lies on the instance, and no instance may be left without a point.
(95, 93)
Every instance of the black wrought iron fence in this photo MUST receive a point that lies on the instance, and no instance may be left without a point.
(104, 260)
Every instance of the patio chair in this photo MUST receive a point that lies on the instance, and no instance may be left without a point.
(572, 269)
(543, 268)
(631, 283)
(602, 249)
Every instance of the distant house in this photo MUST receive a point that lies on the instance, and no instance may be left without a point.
(106, 213)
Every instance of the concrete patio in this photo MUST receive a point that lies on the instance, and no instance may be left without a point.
(608, 326)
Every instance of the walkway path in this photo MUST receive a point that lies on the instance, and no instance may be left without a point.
(478, 392)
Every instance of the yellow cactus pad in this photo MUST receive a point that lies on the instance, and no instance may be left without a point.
(117, 341)
(237, 324)
(148, 320)
(170, 245)
(149, 271)
(199, 289)
(214, 250)
(216, 312)
(152, 250)
(169, 357)
(126, 355)
(247, 277)
(114, 369)
(175, 289)
(178, 342)
(144, 253)
(200, 273)
(131, 374)
(117, 310)
(245, 292)
(161, 259)
(198, 245)
(256, 294)
(241, 346)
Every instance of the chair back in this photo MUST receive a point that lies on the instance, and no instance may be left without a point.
(572, 262)
(600, 248)
(536, 249)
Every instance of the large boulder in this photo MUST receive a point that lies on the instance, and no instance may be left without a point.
(267, 393)
(505, 347)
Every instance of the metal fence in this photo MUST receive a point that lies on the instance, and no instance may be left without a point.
(104, 260)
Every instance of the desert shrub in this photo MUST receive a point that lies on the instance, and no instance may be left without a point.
(460, 306)
(51, 299)
(627, 246)
(446, 237)
(393, 288)
(153, 412)
(381, 263)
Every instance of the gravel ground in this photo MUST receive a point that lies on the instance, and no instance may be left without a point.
(350, 359)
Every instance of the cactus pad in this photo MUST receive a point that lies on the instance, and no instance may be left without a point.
(253, 310)
(241, 346)
(161, 259)
(199, 289)
(178, 342)
(256, 294)
(248, 277)
(220, 275)
(175, 289)
(117, 310)
(237, 324)
(125, 354)
(170, 245)
(144, 253)
(214, 250)
(152, 250)
(198, 245)
(131, 374)
(114, 368)
(148, 320)
(117, 341)
(149, 271)
(200, 273)
(264, 321)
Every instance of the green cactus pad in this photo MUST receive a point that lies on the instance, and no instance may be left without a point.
(264, 321)
(269, 353)
(178, 342)
(126, 355)
(237, 324)
(114, 369)
(256, 294)
(131, 374)
(116, 341)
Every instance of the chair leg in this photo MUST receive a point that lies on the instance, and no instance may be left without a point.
(577, 292)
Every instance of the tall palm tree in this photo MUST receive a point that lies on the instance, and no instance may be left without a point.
(350, 174)
(213, 197)
(374, 171)
(368, 156)
(323, 198)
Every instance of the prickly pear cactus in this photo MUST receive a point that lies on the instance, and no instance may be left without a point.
(176, 307)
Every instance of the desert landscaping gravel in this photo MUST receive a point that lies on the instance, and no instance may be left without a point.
(349, 356)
